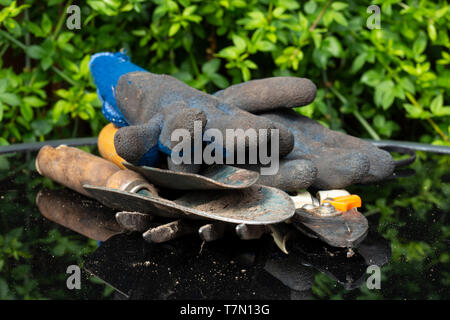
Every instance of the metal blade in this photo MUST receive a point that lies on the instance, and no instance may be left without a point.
(346, 230)
(254, 205)
(216, 177)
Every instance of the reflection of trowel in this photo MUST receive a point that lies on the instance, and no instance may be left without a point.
(214, 177)
(78, 213)
(95, 177)
(333, 218)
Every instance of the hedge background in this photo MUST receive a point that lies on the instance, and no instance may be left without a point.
(391, 83)
(382, 83)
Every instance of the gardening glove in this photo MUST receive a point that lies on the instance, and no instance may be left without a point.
(149, 107)
(340, 159)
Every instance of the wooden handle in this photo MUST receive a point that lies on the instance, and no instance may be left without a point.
(73, 167)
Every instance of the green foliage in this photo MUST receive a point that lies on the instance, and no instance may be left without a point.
(391, 82)
(415, 224)
(34, 252)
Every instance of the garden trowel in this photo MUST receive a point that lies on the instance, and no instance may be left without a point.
(254, 205)
(128, 191)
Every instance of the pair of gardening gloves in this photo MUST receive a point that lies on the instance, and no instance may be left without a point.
(149, 107)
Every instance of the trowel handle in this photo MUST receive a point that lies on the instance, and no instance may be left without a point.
(106, 148)
(74, 168)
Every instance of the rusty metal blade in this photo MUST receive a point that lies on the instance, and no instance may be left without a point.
(346, 230)
(254, 205)
(216, 177)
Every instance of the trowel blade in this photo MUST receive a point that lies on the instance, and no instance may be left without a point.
(346, 230)
(254, 205)
(217, 177)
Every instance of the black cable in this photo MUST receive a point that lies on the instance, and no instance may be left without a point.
(417, 146)
(35, 146)
(402, 150)
(389, 145)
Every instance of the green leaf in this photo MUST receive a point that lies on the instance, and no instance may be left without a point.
(34, 29)
(333, 46)
(3, 85)
(310, 7)
(174, 29)
(35, 52)
(246, 75)
(265, 46)
(420, 44)
(320, 58)
(432, 32)
(229, 53)
(4, 166)
(211, 66)
(415, 112)
(34, 101)
(437, 107)
(189, 10)
(10, 99)
(220, 81)
(407, 84)
(239, 43)
(384, 94)
(339, 18)
(339, 5)
(46, 24)
(46, 62)
(358, 62)
(41, 127)
(371, 78)
(26, 112)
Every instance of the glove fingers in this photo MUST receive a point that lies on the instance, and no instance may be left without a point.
(270, 93)
(192, 121)
(138, 144)
(381, 165)
(313, 138)
(180, 116)
(381, 162)
(292, 175)
(335, 171)
(239, 122)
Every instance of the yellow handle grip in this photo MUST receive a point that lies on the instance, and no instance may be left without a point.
(106, 145)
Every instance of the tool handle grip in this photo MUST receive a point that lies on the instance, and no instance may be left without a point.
(74, 168)
(106, 146)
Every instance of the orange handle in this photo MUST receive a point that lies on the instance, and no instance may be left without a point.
(106, 145)
(345, 203)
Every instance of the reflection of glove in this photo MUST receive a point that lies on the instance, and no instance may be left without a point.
(340, 159)
(155, 105)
